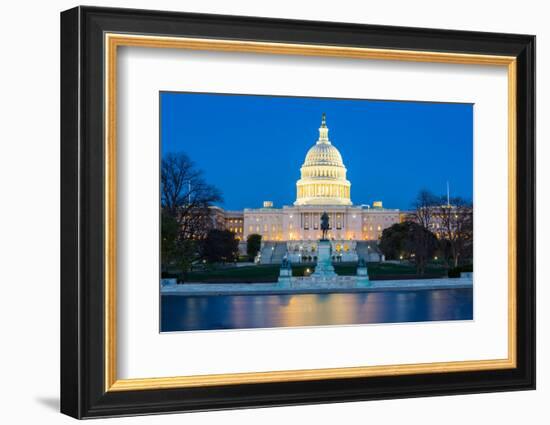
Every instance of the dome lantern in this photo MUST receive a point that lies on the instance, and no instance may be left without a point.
(323, 130)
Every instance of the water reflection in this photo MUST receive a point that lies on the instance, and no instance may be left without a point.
(181, 313)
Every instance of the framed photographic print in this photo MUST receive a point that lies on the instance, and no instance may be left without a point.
(261, 212)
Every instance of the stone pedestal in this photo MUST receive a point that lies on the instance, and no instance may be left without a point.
(362, 278)
(285, 278)
(324, 267)
(285, 274)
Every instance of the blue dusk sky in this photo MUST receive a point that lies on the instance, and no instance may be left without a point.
(252, 147)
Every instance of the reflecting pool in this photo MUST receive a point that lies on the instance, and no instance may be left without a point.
(186, 313)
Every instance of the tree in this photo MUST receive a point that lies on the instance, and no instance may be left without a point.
(220, 246)
(393, 242)
(185, 211)
(186, 197)
(409, 240)
(169, 231)
(175, 250)
(423, 243)
(253, 245)
(456, 219)
(424, 205)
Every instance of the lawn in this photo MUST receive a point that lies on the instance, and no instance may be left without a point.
(270, 272)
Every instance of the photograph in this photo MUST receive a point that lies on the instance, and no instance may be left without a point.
(281, 211)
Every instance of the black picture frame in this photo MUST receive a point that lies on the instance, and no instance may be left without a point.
(83, 392)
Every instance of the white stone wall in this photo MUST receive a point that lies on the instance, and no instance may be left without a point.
(374, 221)
(267, 222)
(302, 223)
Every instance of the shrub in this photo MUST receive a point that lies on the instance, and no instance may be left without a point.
(467, 268)
(253, 245)
(454, 272)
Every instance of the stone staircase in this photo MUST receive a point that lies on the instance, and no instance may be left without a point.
(368, 251)
(266, 251)
(279, 252)
(272, 252)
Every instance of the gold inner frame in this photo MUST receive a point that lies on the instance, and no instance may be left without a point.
(113, 41)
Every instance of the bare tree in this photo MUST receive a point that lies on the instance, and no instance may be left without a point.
(186, 197)
(456, 226)
(423, 240)
(424, 208)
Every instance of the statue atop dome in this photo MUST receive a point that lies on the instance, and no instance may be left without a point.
(323, 130)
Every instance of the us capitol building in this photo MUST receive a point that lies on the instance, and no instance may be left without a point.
(294, 231)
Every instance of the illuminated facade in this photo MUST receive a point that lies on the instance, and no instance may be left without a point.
(322, 187)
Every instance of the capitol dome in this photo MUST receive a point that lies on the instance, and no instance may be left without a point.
(323, 174)
(323, 154)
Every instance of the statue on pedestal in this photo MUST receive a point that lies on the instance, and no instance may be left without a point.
(324, 225)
